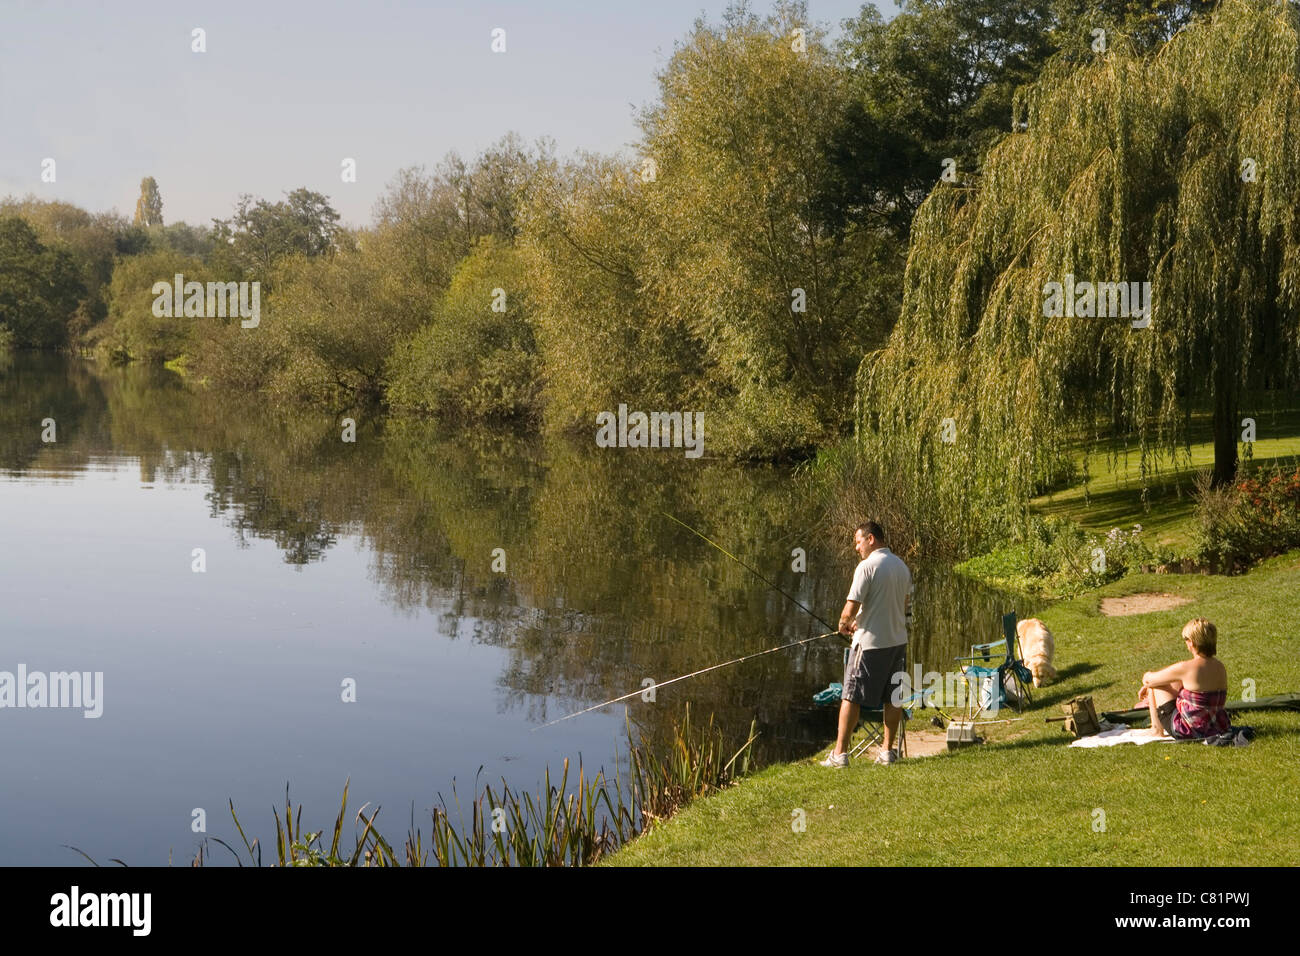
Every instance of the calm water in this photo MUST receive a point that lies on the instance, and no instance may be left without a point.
(372, 561)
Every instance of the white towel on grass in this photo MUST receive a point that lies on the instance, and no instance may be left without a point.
(1120, 735)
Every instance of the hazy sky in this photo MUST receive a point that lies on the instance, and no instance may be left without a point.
(286, 90)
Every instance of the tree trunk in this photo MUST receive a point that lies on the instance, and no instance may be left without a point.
(1225, 425)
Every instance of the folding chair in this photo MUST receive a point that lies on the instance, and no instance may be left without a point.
(987, 678)
(872, 721)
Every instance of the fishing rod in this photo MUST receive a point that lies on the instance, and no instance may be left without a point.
(738, 660)
(703, 670)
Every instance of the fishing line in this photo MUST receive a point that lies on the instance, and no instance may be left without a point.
(751, 570)
(705, 670)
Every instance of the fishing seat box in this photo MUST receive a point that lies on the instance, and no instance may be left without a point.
(961, 733)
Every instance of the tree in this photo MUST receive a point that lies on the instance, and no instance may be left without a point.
(435, 219)
(334, 322)
(260, 233)
(183, 238)
(131, 330)
(39, 287)
(779, 301)
(1173, 168)
(93, 240)
(602, 342)
(1145, 24)
(148, 208)
(934, 83)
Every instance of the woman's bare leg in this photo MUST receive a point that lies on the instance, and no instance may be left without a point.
(1156, 698)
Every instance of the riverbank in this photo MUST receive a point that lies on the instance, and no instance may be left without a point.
(1025, 797)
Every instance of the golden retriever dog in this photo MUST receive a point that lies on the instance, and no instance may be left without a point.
(1037, 646)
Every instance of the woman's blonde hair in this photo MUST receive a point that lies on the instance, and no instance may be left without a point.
(1203, 635)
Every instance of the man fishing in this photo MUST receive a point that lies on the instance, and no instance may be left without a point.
(876, 614)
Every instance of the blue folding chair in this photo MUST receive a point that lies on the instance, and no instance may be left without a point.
(993, 669)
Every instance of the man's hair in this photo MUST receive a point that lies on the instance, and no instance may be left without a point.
(873, 529)
(1203, 635)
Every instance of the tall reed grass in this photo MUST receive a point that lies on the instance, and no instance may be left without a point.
(556, 826)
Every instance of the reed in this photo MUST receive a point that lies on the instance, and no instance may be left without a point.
(557, 826)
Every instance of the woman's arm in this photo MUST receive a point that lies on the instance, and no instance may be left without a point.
(1173, 674)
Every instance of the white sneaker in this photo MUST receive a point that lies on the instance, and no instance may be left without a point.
(835, 760)
(886, 757)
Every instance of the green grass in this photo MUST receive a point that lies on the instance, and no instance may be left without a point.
(1025, 798)
(1114, 497)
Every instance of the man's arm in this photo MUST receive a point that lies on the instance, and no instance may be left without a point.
(847, 616)
(857, 594)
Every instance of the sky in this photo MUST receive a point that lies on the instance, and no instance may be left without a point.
(286, 90)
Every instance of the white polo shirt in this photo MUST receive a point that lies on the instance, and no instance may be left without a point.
(882, 585)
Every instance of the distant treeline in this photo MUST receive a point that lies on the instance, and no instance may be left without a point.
(739, 263)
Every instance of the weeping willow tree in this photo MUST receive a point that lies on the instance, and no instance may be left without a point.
(1180, 169)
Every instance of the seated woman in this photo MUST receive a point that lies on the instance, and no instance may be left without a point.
(1187, 699)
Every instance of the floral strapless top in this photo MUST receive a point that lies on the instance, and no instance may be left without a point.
(1200, 713)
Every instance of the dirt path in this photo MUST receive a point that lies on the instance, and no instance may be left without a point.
(1141, 603)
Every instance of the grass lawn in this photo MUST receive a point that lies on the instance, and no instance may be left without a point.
(1025, 798)
(1113, 497)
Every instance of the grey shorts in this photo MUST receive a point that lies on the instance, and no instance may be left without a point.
(869, 674)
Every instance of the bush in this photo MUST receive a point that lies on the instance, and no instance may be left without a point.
(327, 327)
(131, 331)
(1254, 517)
(1057, 558)
(472, 362)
